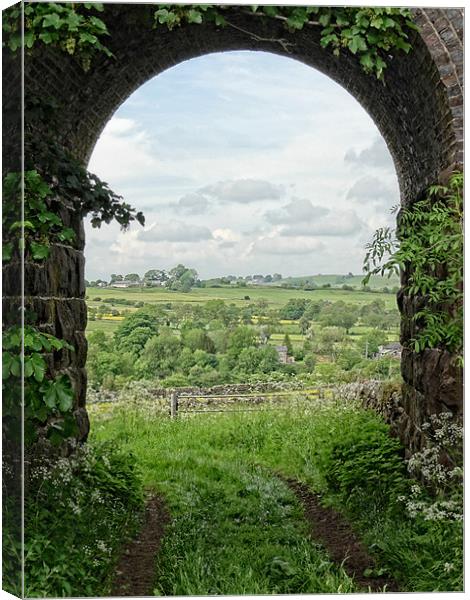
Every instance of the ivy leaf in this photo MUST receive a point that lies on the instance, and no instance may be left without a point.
(296, 22)
(99, 24)
(270, 11)
(54, 219)
(65, 396)
(73, 21)
(28, 367)
(7, 251)
(38, 366)
(88, 37)
(7, 359)
(357, 43)
(58, 393)
(219, 20)
(40, 413)
(49, 397)
(29, 38)
(46, 37)
(39, 251)
(52, 20)
(367, 61)
(194, 16)
(15, 366)
(14, 42)
(66, 235)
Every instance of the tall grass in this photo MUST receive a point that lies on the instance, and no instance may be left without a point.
(237, 528)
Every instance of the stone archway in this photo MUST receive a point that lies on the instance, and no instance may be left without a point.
(418, 111)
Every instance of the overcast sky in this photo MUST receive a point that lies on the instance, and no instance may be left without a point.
(242, 162)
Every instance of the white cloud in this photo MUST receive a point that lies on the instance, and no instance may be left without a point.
(174, 231)
(226, 238)
(375, 190)
(337, 223)
(243, 191)
(193, 204)
(274, 244)
(297, 210)
(375, 155)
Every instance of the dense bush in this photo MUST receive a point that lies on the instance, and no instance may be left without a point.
(76, 512)
(414, 527)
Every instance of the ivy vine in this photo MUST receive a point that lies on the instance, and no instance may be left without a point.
(428, 245)
(48, 401)
(371, 34)
(73, 27)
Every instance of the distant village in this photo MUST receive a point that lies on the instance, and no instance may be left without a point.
(182, 278)
(163, 278)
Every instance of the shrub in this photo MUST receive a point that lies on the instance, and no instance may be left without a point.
(361, 459)
(76, 510)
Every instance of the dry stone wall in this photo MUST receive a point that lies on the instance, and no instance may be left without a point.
(418, 111)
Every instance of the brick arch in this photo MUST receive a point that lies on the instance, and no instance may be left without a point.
(418, 111)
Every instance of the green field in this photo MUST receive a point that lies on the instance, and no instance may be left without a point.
(238, 529)
(276, 297)
(102, 325)
(375, 282)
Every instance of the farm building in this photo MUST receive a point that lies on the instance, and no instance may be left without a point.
(392, 350)
(283, 355)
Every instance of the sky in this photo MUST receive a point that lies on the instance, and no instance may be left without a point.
(243, 163)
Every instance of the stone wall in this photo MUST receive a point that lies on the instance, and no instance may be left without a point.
(418, 111)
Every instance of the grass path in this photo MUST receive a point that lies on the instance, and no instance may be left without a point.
(236, 528)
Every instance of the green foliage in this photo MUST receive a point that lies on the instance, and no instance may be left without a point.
(160, 356)
(222, 467)
(73, 27)
(339, 314)
(294, 309)
(428, 246)
(146, 318)
(76, 510)
(40, 225)
(371, 34)
(240, 338)
(48, 401)
(181, 278)
(362, 456)
(223, 506)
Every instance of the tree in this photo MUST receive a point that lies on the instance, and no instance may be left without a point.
(197, 339)
(348, 358)
(294, 309)
(310, 361)
(156, 275)
(181, 278)
(160, 357)
(329, 339)
(240, 338)
(286, 342)
(369, 343)
(115, 277)
(339, 314)
(257, 360)
(132, 277)
(145, 317)
(304, 324)
(136, 340)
